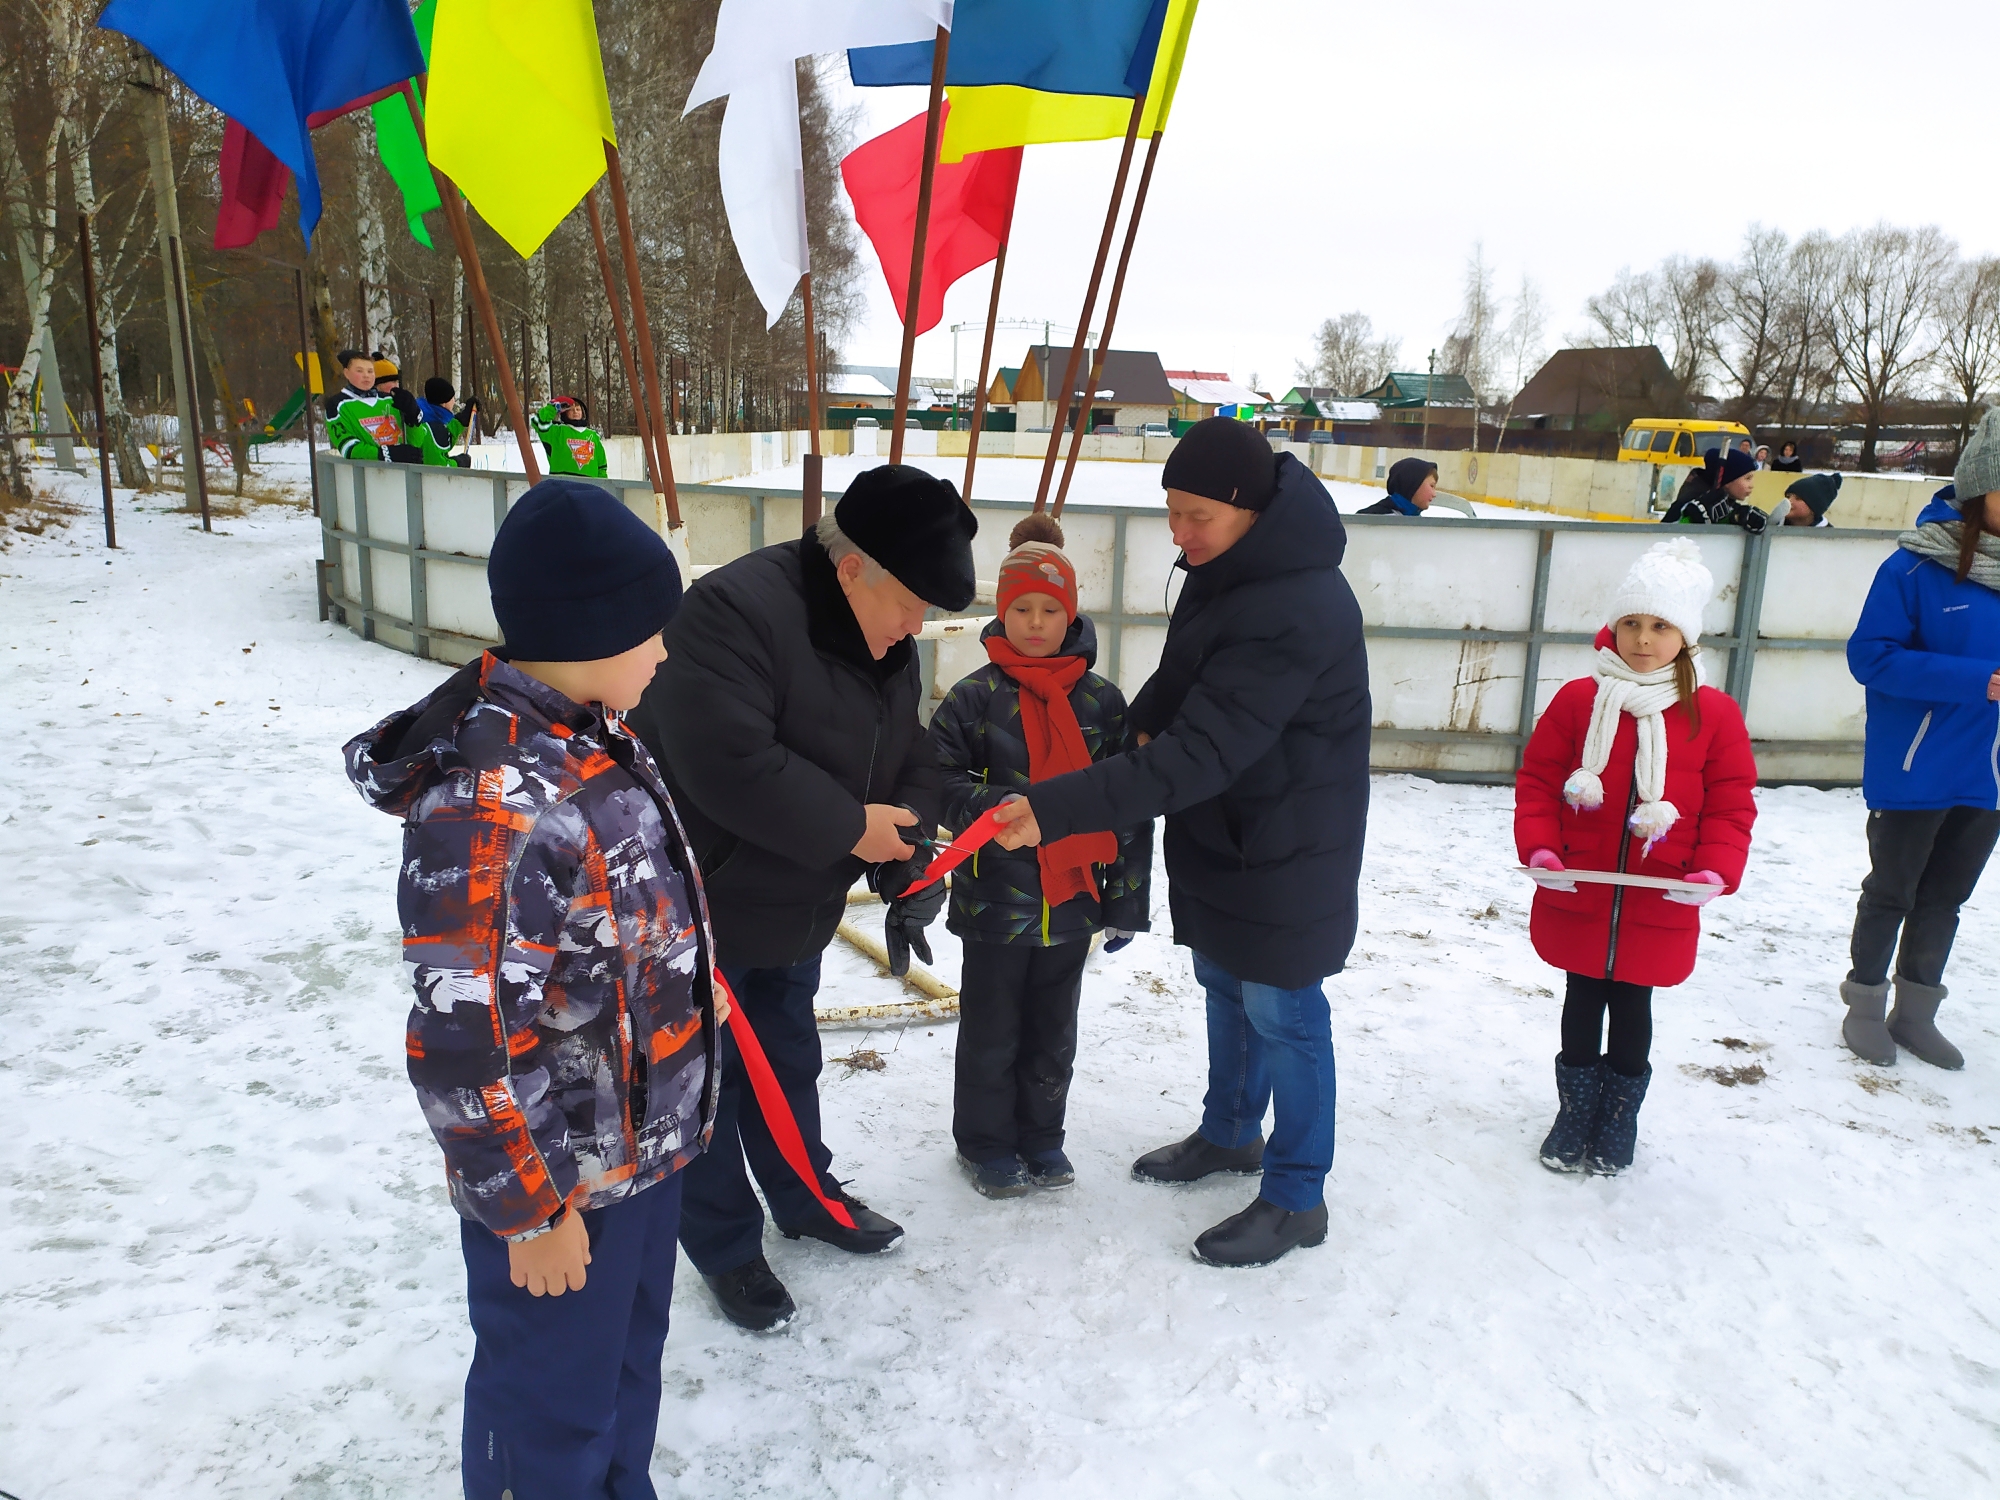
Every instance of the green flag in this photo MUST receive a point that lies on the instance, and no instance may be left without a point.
(402, 152)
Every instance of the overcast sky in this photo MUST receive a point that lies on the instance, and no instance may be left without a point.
(1324, 157)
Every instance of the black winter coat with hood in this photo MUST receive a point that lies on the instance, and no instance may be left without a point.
(996, 896)
(772, 726)
(1259, 720)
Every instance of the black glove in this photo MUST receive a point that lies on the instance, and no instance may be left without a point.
(1750, 518)
(406, 406)
(903, 928)
(405, 453)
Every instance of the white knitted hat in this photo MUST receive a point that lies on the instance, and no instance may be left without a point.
(1668, 582)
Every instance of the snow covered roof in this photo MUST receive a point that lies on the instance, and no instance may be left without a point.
(1212, 390)
(854, 383)
(1348, 411)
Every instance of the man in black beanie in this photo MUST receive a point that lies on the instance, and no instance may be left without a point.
(785, 721)
(1253, 742)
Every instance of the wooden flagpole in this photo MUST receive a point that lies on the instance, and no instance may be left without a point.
(814, 499)
(611, 298)
(1111, 311)
(475, 278)
(985, 362)
(940, 49)
(649, 368)
(1071, 370)
(308, 362)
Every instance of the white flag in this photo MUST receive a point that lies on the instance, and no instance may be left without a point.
(761, 162)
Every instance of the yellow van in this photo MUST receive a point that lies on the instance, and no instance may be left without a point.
(1668, 441)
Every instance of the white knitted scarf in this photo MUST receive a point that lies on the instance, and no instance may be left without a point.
(1646, 696)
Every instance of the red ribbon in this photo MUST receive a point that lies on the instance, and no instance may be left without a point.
(981, 831)
(784, 1127)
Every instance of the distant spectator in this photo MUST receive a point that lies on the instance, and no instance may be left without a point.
(1788, 460)
(1807, 500)
(1743, 445)
(1722, 504)
(1763, 456)
(1413, 484)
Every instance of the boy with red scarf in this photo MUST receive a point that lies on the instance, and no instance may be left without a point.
(1026, 916)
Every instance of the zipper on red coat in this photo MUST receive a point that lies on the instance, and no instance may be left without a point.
(1618, 891)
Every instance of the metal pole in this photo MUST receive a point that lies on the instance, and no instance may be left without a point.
(1089, 304)
(1110, 313)
(649, 367)
(814, 499)
(639, 422)
(475, 277)
(985, 362)
(933, 122)
(187, 364)
(305, 372)
(96, 372)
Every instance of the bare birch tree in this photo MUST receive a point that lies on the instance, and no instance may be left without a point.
(1968, 350)
(1347, 356)
(1883, 300)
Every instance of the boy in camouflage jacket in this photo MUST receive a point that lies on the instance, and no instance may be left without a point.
(563, 1039)
(1026, 916)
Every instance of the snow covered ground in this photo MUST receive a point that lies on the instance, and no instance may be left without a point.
(227, 1268)
(1097, 482)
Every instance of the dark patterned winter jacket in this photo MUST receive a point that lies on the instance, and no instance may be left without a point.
(996, 896)
(563, 1038)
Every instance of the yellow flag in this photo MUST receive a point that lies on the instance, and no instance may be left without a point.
(993, 117)
(517, 112)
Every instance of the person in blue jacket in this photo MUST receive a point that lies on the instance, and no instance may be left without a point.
(1927, 649)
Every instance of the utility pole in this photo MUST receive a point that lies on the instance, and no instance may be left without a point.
(151, 79)
(1427, 398)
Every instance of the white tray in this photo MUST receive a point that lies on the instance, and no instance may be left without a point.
(1613, 877)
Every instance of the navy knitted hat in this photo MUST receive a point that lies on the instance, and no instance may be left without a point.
(1220, 458)
(1735, 464)
(577, 577)
(913, 524)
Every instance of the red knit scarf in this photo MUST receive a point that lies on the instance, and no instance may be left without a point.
(1055, 746)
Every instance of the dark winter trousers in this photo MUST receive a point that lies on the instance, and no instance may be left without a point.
(722, 1226)
(1631, 1038)
(1016, 1047)
(564, 1394)
(1924, 866)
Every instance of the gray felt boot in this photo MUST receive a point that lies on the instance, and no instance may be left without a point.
(1914, 1023)
(1863, 1030)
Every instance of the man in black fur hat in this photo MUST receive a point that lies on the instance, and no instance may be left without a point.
(785, 723)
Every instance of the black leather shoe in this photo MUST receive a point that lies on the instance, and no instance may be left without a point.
(752, 1297)
(1197, 1157)
(1260, 1234)
(871, 1235)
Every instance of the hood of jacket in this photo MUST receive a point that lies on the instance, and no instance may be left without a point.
(1079, 640)
(1298, 532)
(393, 764)
(1943, 507)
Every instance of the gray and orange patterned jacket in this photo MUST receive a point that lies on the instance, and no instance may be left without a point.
(562, 1043)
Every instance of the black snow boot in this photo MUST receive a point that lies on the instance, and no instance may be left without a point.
(1914, 1023)
(1615, 1135)
(1197, 1157)
(1569, 1137)
(1863, 1029)
(1003, 1177)
(1049, 1169)
(871, 1235)
(1260, 1234)
(752, 1297)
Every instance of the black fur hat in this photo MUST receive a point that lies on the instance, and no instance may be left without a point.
(913, 524)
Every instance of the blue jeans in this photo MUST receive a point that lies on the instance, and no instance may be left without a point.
(564, 1395)
(722, 1223)
(1270, 1046)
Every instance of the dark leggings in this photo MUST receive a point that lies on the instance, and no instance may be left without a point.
(1631, 1007)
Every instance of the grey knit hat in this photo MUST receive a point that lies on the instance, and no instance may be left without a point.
(1978, 471)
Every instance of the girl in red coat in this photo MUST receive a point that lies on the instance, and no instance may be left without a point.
(1636, 768)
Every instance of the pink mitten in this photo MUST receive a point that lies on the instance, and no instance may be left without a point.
(1545, 859)
(1698, 898)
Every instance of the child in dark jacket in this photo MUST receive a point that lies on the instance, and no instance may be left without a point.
(562, 1043)
(1026, 916)
(1637, 769)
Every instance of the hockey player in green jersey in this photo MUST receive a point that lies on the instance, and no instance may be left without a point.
(363, 421)
(573, 448)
